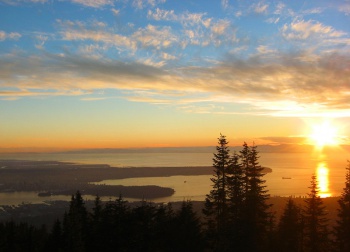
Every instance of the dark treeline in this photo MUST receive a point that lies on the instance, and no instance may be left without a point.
(235, 217)
(110, 226)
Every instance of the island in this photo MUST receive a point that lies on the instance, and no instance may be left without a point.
(63, 178)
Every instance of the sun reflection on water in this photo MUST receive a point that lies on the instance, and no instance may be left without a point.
(323, 180)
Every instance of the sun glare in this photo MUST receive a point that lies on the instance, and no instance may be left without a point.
(324, 134)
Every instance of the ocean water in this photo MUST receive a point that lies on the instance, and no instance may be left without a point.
(291, 172)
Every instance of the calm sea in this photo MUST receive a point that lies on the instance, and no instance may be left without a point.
(291, 172)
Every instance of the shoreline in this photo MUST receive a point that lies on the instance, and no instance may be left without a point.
(65, 178)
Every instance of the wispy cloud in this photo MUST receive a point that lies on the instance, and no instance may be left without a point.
(160, 14)
(307, 29)
(115, 12)
(198, 29)
(286, 87)
(75, 31)
(301, 68)
(94, 98)
(157, 37)
(345, 8)
(262, 49)
(220, 27)
(313, 11)
(93, 3)
(260, 8)
(11, 35)
(16, 2)
(225, 4)
(141, 4)
(16, 94)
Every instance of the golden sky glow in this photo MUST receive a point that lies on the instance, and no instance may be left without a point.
(143, 73)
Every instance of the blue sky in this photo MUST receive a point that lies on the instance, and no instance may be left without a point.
(104, 73)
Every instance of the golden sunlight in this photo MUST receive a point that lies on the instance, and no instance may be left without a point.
(324, 134)
(323, 182)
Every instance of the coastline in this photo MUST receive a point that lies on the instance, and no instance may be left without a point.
(53, 178)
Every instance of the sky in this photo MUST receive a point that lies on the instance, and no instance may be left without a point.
(159, 73)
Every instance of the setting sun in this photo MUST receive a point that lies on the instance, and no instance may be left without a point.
(324, 134)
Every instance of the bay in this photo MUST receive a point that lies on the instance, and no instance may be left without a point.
(291, 172)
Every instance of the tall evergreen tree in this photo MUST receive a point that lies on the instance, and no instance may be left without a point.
(342, 229)
(216, 202)
(236, 187)
(188, 235)
(143, 233)
(316, 233)
(75, 224)
(164, 228)
(290, 228)
(114, 229)
(256, 207)
(236, 208)
(245, 163)
(95, 234)
(236, 202)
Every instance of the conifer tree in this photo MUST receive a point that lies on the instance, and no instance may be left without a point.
(256, 208)
(316, 233)
(342, 229)
(216, 202)
(95, 235)
(164, 225)
(143, 227)
(236, 203)
(75, 224)
(188, 236)
(244, 157)
(236, 187)
(114, 229)
(290, 228)
(55, 238)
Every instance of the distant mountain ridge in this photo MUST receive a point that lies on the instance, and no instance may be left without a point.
(282, 148)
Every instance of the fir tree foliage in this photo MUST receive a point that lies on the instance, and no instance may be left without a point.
(290, 228)
(256, 216)
(75, 224)
(316, 233)
(236, 208)
(188, 235)
(217, 201)
(342, 229)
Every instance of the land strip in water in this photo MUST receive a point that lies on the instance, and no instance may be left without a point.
(63, 178)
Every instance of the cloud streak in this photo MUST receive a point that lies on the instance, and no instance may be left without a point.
(9, 36)
(202, 57)
(289, 87)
